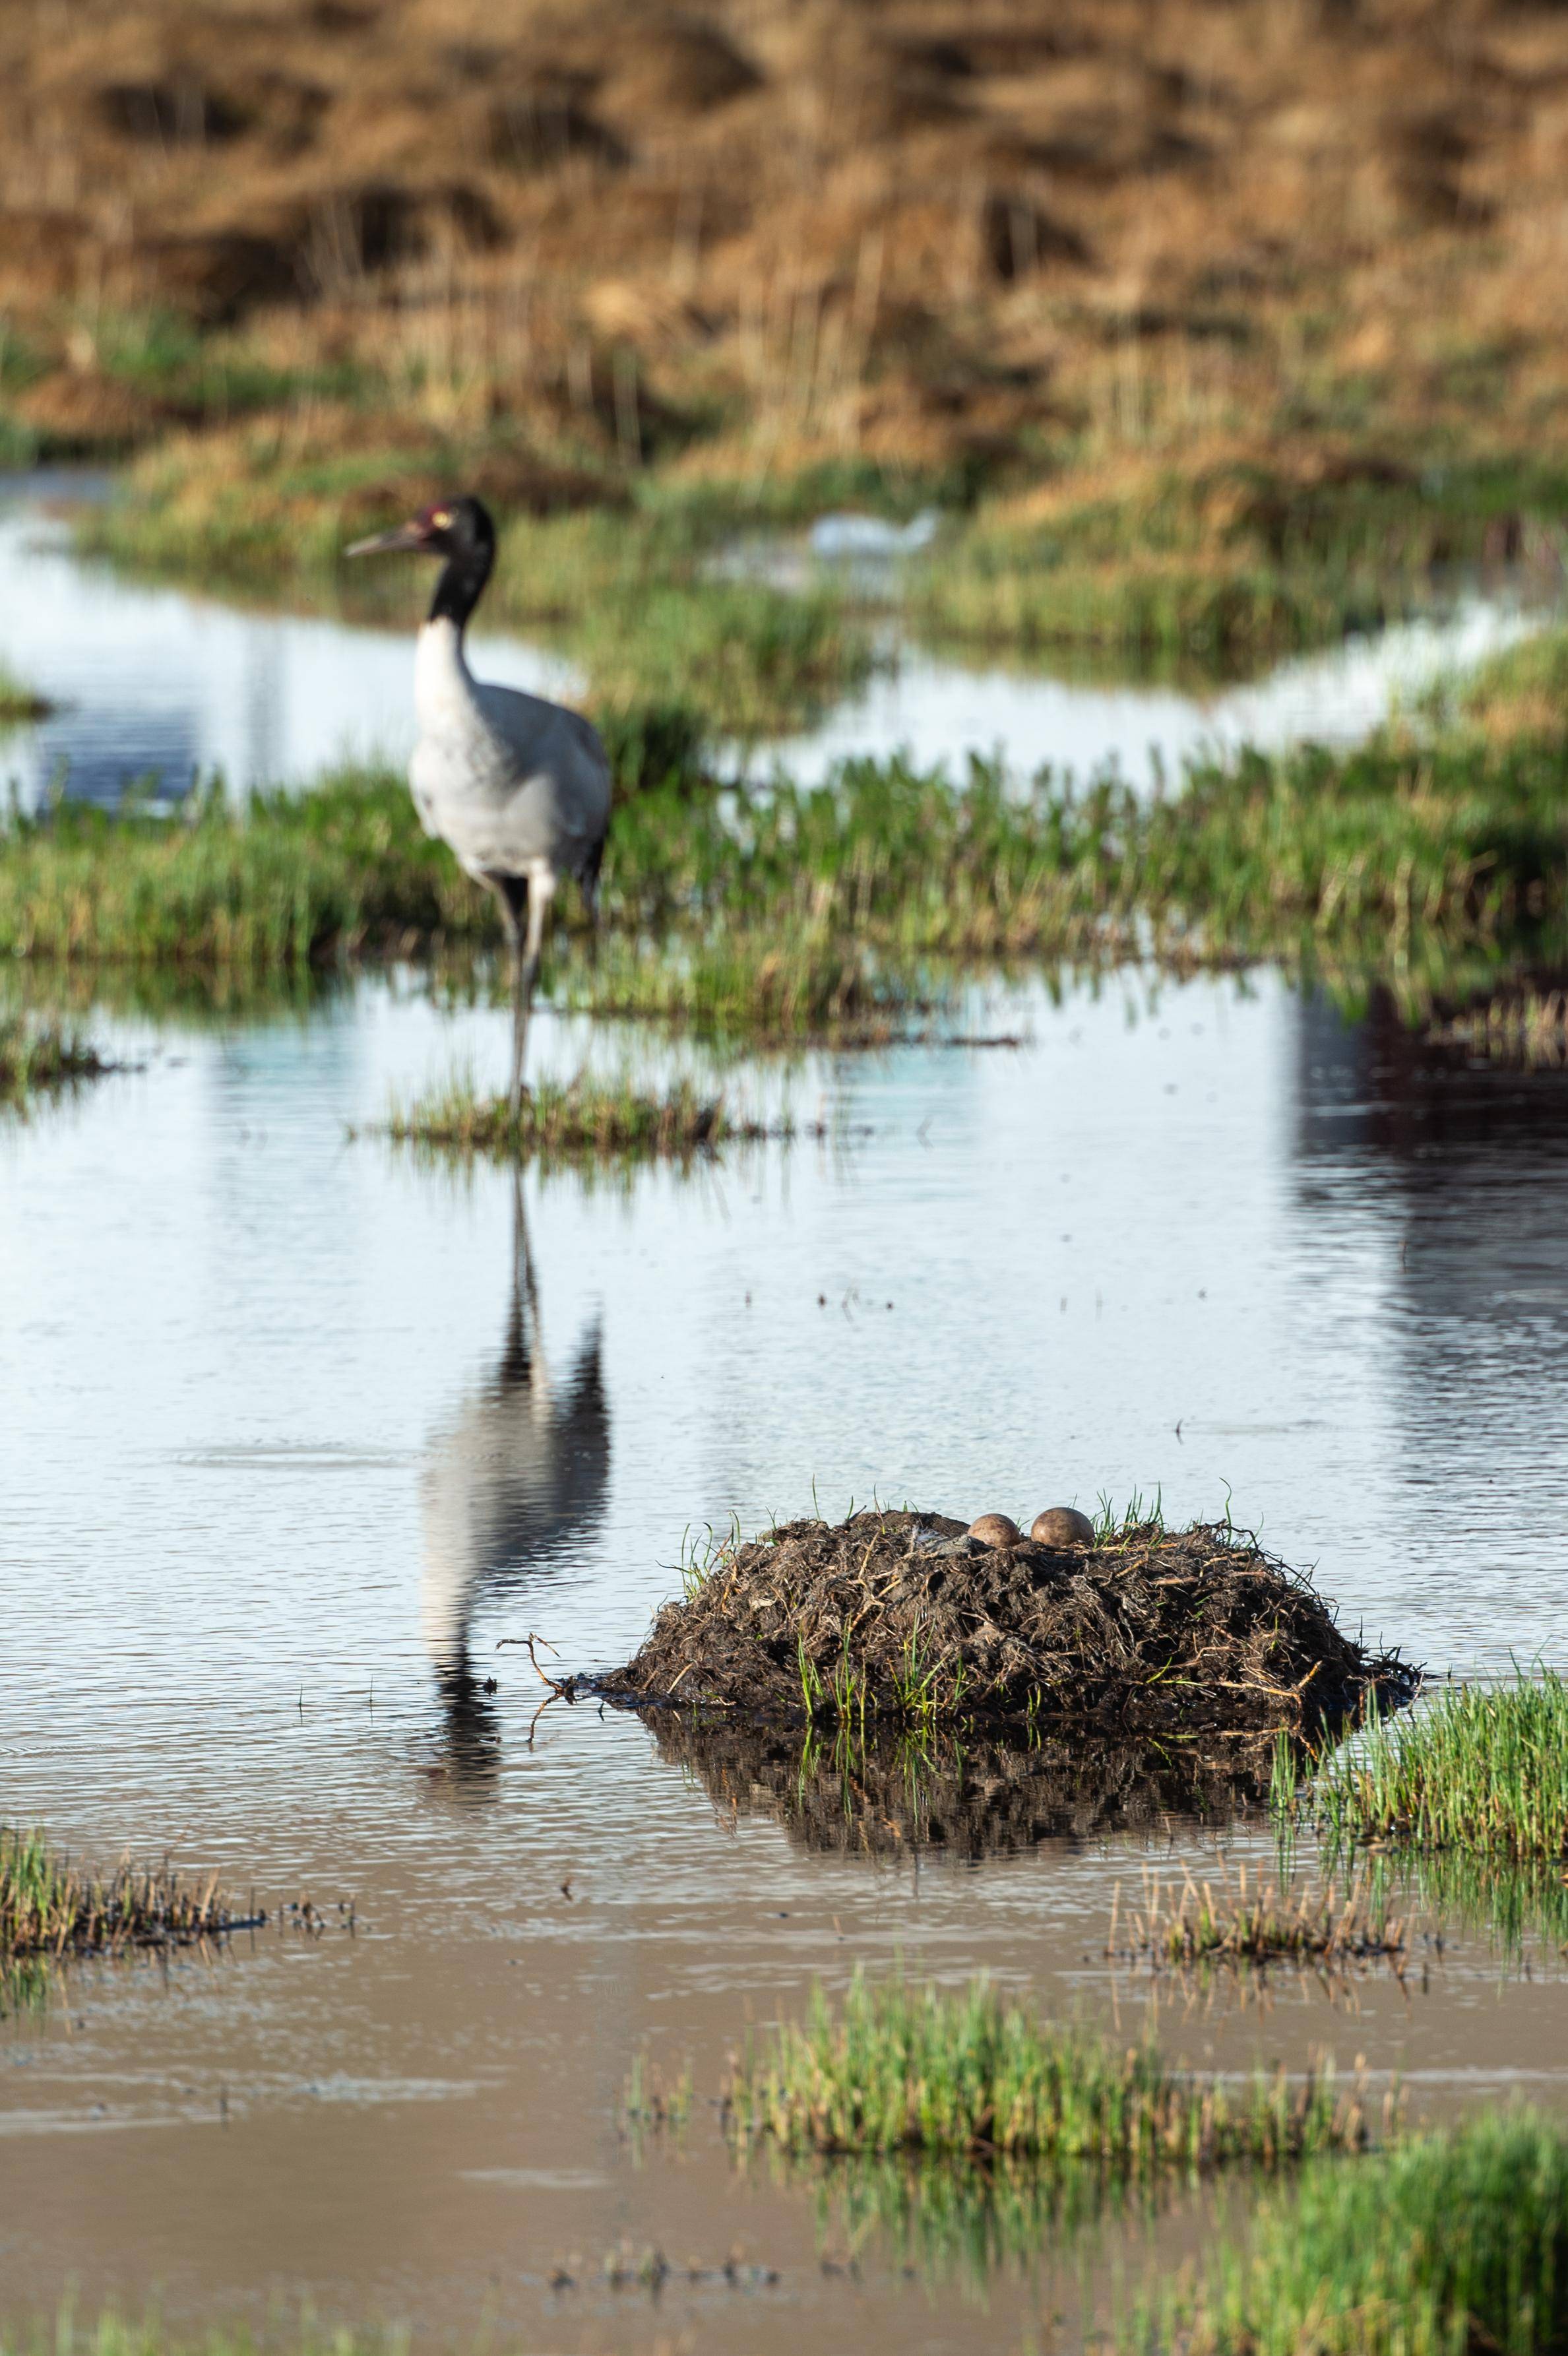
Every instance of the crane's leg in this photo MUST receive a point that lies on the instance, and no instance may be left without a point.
(589, 882)
(518, 1358)
(540, 890)
(512, 898)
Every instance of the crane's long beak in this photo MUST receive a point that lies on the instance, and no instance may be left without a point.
(408, 538)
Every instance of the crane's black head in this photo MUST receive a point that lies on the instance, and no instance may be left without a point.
(459, 532)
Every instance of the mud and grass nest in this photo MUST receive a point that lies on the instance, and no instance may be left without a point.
(903, 1618)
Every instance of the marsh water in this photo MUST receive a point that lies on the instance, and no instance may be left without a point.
(156, 685)
(296, 1429)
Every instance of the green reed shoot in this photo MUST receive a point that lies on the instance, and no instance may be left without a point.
(1138, 1517)
(1477, 1767)
(1438, 2245)
(893, 2068)
(702, 1555)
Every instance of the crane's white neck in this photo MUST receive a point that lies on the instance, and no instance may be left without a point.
(443, 686)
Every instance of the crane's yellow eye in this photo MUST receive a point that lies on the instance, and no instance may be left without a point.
(441, 517)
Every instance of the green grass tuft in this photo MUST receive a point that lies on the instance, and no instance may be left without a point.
(582, 1118)
(997, 592)
(1235, 562)
(1440, 2246)
(241, 896)
(48, 1907)
(1478, 1767)
(893, 2068)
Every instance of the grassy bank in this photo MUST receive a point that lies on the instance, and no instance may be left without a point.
(294, 880)
(1437, 2244)
(620, 587)
(49, 1908)
(891, 2068)
(1163, 559)
(1482, 1768)
(851, 905)
(1242, 557)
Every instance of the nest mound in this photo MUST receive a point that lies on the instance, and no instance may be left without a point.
(969, 1796)
(901, 1616)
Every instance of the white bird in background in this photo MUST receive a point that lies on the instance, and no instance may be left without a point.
(518, 787)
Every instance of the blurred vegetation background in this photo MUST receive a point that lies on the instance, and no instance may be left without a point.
(1261, 301)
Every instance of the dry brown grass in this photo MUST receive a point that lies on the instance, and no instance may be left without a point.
(1177, 1925)
(932, 234)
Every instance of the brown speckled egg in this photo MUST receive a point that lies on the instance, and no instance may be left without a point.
(1063, 1525)
(995, 1530)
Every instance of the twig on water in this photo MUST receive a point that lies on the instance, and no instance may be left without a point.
(561, 1688)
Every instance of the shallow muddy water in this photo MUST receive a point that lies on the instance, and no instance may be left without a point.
(154, 683)
(293, 1434)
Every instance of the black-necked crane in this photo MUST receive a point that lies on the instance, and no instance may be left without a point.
(518, 786)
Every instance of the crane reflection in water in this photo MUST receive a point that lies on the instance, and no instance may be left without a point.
(513, 1480)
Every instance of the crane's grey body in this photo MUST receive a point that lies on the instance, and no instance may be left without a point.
(518, 786)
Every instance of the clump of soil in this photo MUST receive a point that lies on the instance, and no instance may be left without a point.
(900, 1616)
(971, 1797)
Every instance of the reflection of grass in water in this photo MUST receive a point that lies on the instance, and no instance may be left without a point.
(109, 2333)
(25, 1985)
(1512, 1903)
(1477, 1767)
(1520, 1025)
(953, 2218)
(770, 977)
(1436, 2245)
(39, 1051)
(891, 2068)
